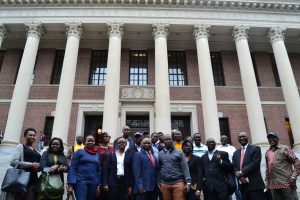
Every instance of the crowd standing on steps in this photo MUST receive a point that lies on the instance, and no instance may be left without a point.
(164, 166)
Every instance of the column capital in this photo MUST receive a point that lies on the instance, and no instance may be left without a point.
(74, 29)
(2, 31)
(201, 31)
(115, 29)
(160, 30)
(240, 32)
(276, 34)
(34, 29)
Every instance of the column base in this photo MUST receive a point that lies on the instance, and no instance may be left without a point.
(9, 143)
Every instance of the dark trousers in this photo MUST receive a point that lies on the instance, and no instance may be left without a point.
(252, 194)
(283, 194)
(150, 195)
(190, 195)
(217, 195)
(85, 191)
(118, 191)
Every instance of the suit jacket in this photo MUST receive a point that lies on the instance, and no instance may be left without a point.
(195, 168)
(110, 176)
(213, 172)
(250, 167)
(145, 174)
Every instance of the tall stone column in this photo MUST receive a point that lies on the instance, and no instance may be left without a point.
(66, 86)
(162, 90)
(287, 79)
(21, 91)
(112, 83)
(252, 99)
(2, 33)
(208, 93)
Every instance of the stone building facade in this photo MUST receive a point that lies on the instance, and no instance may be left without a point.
(216, 67)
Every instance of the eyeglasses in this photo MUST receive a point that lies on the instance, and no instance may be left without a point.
(121, 142)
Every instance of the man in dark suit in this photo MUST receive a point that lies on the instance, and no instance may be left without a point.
(215, 165)
(145, 174)
(246, 161)
(127, 137)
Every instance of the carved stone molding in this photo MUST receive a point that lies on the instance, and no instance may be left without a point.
(34, 30)
(276, 34)
(2, 31)
(115, 29)
(160, 30)
(240, 32)
(138, 93)
(201, 31)
(74, 29)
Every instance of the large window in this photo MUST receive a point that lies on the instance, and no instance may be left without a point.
(2, 53)
(177, 68)
(224, 128)
(58, 64)
(275, 71)
(138, 68)
(98, 67)
(217, 67)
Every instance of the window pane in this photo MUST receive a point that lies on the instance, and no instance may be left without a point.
(138, 65)
(98, 67)
(177, 68)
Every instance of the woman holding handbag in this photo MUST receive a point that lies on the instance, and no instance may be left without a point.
(27, 158)
(84, 172)
(53, 163)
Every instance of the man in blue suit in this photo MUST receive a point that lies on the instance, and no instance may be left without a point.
(144, 171)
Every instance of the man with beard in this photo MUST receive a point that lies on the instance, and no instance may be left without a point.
(246, 161)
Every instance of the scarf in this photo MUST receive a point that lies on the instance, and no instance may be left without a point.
(91, 151)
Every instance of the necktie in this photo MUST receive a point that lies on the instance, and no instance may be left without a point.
(152, 159)
(242, 157)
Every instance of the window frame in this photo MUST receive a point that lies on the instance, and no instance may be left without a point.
(139, 66)
(177, 68)
(57, 67)
(101, 61)
(217, 68)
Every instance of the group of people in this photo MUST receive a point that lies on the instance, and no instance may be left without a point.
(162, 166)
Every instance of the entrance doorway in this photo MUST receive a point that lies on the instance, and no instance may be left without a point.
(138, 124)
(183, 124)
(93, 126)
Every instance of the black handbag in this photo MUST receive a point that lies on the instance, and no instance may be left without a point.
(15, 180)
(231, 183)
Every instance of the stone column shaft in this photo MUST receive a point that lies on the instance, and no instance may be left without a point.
(251, 94)
(2, 33)
(287, 79)
(162, 90)
(19, 99)
(208, 93)
(112, 83)
(66, 85)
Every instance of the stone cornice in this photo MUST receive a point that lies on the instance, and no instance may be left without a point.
(271, 5)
